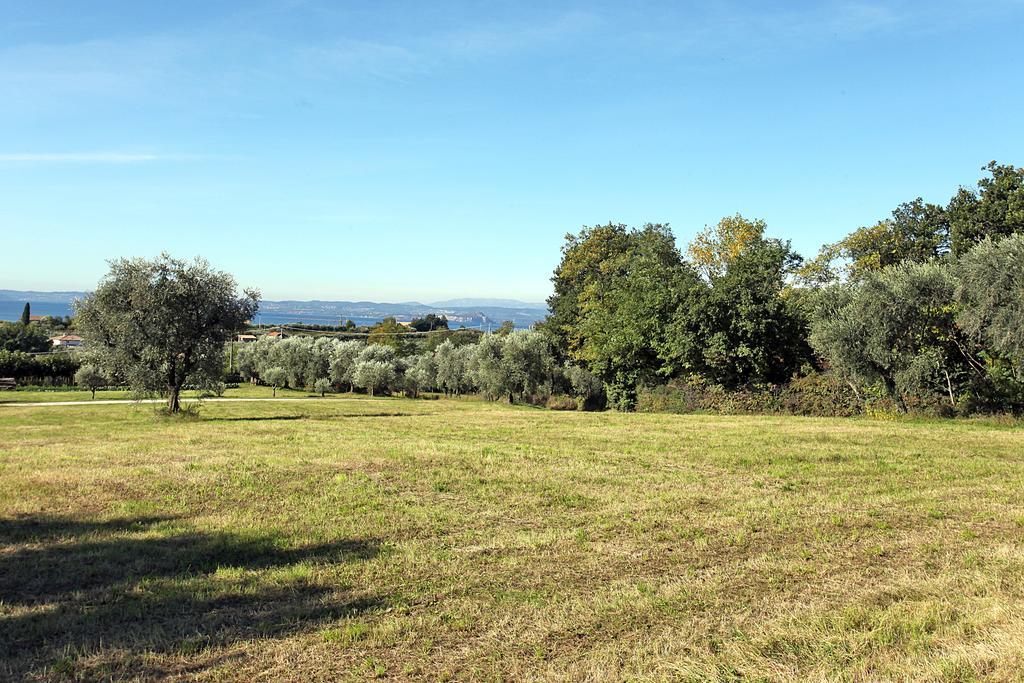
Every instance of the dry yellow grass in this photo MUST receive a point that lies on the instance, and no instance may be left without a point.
(327, 540)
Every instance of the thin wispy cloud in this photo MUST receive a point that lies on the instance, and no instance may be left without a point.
(363, 58)
(744, 33)
(84, 157)
(482, 41)
(423, 55)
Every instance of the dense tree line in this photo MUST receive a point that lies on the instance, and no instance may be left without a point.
(924, 309)
(634, 311)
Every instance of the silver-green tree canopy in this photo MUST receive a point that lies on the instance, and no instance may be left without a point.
(895, 328)
(89, 377)
(158, 325)
(991, 293)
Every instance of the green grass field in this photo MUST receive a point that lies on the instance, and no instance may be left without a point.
(29, 396)
(436, 540)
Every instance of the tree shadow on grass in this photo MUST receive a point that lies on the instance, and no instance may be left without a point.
(255, 418)
(357, 416)
(123, 589)
(349, 416)
(39, 528)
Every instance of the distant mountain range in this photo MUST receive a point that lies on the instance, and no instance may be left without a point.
(488, 303)
(39, 297)
(471, 312)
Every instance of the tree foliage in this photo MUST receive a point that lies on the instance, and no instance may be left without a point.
(322, 386)
(714, 249)
(995, 209)
(90, 377)
(991, 297)
(53, 368)
(916, 232)
(18, 337)
(895, 329)
(740, 329)
(161, 324)
(429, 323)
(390, 332)
(629, 309)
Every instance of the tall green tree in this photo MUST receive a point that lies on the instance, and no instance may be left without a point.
(995, 209)
(916, 231)
(589, 260)
(740, 328)
(26, 314)
(623, 322)
(163, 323)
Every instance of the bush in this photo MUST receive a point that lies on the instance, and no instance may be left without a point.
(697, 395)
(563, 402)
(822, 394)
(813, 394)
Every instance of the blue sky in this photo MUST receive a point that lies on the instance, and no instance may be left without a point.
(424, 150)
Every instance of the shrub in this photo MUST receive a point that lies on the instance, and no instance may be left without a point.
(89, 377)
(563, 402)
(820, 393)
(817, 394)
(322, 386)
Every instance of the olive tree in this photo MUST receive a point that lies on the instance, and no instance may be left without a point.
(343, 361)
(528, 364)
(374, 375)
(276, 377)
(420, 373)
(991, 294)
(90, 377)
(584, 385)
(322, 386)
(452, 367)
(487, 368)
(295, 356)
(375, 368)
(163, 323)
(895, 328)
(253, 358)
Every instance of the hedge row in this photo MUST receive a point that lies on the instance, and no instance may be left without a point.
(45, 369)
(820, 394)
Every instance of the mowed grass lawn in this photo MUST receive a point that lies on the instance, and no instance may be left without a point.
(244, 390)
(334, 540)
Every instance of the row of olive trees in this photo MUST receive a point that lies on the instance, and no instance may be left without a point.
(517, 366)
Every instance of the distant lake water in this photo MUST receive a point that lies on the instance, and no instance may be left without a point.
(11, 310)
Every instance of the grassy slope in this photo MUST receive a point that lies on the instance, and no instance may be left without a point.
(432, 539)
